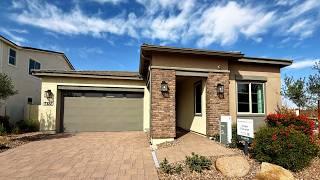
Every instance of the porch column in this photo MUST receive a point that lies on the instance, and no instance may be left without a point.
(215, 105)
(163, 114)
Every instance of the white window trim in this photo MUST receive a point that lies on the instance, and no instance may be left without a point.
(29, 66)
(250, 98)
(13, 65)
(195, 98)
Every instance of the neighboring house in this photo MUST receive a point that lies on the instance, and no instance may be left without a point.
(18, 62)
(175, 87)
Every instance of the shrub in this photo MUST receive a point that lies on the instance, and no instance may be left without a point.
(26, 126)
(286, 147)
(2, 130)
(299, 123)
(198, 163)
(234, 141)
(6, 125)
(170, 169)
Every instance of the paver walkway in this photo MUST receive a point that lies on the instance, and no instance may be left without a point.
(105, 155)
(191, 142)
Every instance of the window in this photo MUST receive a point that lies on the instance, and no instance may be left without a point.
(12, 57)
(197, 98)
(250, 97)
(33, 65)
(29, 100)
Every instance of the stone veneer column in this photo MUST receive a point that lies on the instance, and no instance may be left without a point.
(163, 113)
(216, 106)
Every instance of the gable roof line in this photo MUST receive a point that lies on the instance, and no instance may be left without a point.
(37, 49)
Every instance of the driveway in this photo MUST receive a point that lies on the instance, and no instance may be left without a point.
(105, 155)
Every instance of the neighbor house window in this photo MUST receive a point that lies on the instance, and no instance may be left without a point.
(12, 57)
(250, 97)
(33, 65)
(197, 98)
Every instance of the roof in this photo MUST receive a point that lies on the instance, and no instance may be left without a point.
(147, 49)
(281, 62)
(155, 48)
(89, 74)
(36, 49)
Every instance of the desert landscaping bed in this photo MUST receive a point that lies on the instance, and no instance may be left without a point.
(15, 140)
(311, 172)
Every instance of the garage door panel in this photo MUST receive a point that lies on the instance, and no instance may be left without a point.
(103, 114)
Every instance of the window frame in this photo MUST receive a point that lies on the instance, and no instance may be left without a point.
(250, 97)
(30, 59)
(195, 98)
(15, 58)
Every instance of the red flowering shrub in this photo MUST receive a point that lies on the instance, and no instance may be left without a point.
(300, 123)
(284, 146)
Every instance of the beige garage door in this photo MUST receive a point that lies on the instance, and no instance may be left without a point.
(82, 114)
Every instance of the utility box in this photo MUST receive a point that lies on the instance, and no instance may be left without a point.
(225, 130)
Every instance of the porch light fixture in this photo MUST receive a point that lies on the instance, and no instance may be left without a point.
(164, 87)
(48, 94)
(220, 89)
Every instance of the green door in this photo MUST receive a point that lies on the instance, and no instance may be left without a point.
(85, 114)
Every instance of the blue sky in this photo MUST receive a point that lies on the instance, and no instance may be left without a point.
(107, 34)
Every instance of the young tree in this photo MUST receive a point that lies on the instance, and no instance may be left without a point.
(296, 91)
(314, 82)
(6, 87)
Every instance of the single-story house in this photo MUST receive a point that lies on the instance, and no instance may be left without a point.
(175, 87)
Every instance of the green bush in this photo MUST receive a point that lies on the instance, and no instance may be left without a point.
(2, 130)
(6, 125)
(286, 147)
(26, 126)
(198, 163)
(234, 141)
(170, 169)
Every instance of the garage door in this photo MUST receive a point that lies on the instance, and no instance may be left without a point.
(85, 112)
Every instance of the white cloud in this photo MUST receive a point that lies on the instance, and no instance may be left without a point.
(225, 23)
(175, 21)
(286, 2)
(303, 64)
(303, 28)
(109, 1)
(12, 36)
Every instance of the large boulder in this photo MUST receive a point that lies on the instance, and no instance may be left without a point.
(233, 166)
(273, 172)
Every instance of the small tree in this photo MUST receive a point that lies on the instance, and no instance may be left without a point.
(296, 91)
(6, 87)
(314, 83)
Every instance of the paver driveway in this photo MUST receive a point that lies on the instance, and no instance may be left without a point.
(105, 155)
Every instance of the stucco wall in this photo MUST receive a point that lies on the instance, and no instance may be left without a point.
(189, 61)
(26, 84)
(186, 119)
(272, 87)
(49, 116)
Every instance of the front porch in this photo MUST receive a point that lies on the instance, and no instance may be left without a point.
(192, 103)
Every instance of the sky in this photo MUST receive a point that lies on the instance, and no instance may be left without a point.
(107, 34)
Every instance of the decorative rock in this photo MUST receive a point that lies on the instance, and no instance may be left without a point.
(273, 172)
(233, 166)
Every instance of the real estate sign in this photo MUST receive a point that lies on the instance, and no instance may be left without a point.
(245, 129)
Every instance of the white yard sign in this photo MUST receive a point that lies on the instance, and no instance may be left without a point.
(245, 127)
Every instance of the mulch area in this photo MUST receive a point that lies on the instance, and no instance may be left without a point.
(213, 173)
(311, 172)
(14, 140)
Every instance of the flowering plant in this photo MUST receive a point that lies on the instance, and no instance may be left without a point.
(300, 123)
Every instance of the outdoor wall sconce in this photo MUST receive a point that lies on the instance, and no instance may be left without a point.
(220, 90)
(48, 94)
(164, 87)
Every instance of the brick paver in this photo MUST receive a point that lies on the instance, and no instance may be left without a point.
(189, 143)
(101, 155)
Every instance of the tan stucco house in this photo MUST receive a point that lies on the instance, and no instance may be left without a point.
(175, 87)
(17, 62)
